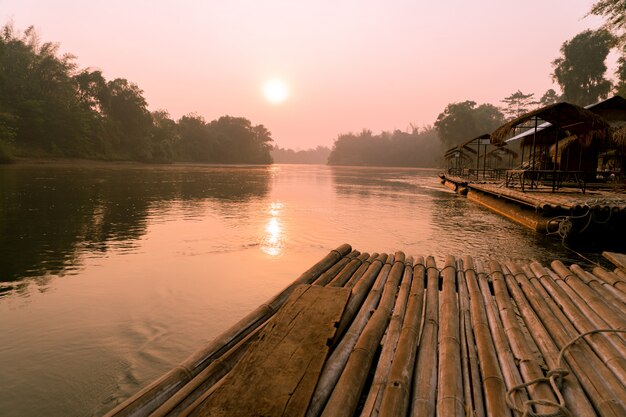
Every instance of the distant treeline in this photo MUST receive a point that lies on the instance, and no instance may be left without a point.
(50, 107)
(419, 148)
(318, 155)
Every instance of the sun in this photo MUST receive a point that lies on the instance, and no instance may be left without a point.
(275, 91)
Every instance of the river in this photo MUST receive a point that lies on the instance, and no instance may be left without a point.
(110, 275)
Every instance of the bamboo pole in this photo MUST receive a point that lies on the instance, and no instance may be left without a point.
(390, 344)
(506, 359)
(609, 347)
(610, 293)
(345, 396)
(361, 271)
(361, 290)
(396, 395)
(337, 360)
(465, 365)
(608, 376)
(331, 273)
(423, 401)
(206, 379)
(621, 274)
(493, 381)
(574, 395)
(155, 394)
(581, 359)
(450, 378)
(618, 259)
(614, 318)
(345, 274)
(529, 367)
(475, 405)
(610, 278)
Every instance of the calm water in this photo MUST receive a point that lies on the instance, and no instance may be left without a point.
(109, 276)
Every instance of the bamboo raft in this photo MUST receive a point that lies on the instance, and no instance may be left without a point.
(567, 212)
(369, 335)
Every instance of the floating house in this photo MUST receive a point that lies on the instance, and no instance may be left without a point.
(569, 177)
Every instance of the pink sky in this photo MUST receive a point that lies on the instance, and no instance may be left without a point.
(350, 65)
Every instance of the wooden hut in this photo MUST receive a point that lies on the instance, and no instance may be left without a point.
(479, 158)
(611, 158)
(559, 142)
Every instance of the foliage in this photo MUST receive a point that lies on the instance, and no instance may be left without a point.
(463, 121)
(615, 13)
(319, 155)
(620, 86)
(549, 97)
(518, 103)
(581, 68)
(419, 148)
(50, 107)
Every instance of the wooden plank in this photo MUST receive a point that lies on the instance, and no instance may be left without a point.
(618, 259)
(278, 374)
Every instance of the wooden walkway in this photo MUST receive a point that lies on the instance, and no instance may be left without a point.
(542, 198)
(389, 335)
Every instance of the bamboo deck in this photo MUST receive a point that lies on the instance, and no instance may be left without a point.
(542, 198)
(567, 212)
(389, 335)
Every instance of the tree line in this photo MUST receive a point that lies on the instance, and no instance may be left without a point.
(50, 107)
(418, 148)
(580, 72)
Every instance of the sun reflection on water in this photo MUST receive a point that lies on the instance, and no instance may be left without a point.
(273, 243)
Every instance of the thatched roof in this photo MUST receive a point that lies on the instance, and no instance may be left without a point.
(570, 117)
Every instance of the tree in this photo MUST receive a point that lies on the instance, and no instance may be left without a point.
(620, 87)
(549, 97)
(418, 148)
(615, 13)
(581, 68)
(518, 103)
(463, 121)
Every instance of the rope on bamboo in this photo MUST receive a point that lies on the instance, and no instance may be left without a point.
(555, 379)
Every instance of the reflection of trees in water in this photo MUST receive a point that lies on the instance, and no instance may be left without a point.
(49, 215)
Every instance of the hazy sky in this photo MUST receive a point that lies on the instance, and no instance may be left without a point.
(349, 65)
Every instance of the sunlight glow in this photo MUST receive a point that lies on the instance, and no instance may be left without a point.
(275, 91)
(273, 239)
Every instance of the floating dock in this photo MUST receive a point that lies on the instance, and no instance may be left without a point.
(567, 212)
(392, 335)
